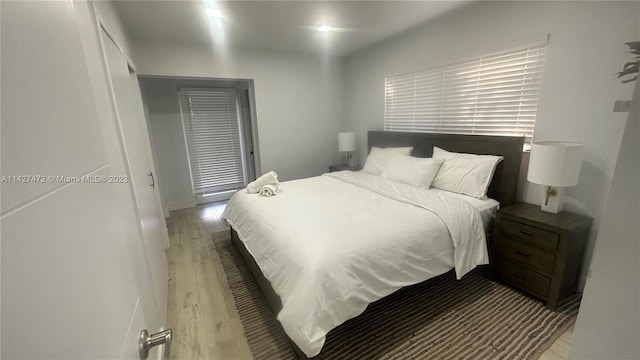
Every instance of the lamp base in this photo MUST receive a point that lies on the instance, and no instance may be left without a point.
(351, 160)
(552, 199)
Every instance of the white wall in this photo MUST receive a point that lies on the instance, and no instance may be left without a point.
(161, 100)
(585, 50)
(298, 99)
(608, 326)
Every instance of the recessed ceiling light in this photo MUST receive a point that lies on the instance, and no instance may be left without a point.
(214, 12)
(324, 28)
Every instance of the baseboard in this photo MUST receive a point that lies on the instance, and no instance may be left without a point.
(181, 204)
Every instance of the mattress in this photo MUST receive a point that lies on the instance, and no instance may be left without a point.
(331, 245)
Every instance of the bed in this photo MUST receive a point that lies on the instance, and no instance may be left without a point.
(330, 245)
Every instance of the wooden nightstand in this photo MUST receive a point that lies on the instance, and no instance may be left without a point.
(538, 252)
(342, 167)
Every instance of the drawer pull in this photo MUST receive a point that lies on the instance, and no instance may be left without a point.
(525, 232)
(522, 253)
(519, 276)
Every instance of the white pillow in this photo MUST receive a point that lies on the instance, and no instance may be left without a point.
(379, 157)
(467, 174)
(418, 172)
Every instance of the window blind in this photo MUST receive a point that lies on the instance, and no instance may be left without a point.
(212, 132)
(492, 95)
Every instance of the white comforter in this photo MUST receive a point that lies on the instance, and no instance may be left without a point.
(331, 245)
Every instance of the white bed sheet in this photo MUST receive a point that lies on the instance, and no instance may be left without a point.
(487, 207)
(331, 245)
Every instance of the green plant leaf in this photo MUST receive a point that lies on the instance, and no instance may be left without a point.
(629, 69)
(634, 47)
(632, 67)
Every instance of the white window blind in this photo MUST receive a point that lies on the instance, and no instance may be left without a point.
(212, 131)
(491, 95)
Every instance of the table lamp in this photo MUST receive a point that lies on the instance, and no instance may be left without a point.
(347, 143)
(556, 165)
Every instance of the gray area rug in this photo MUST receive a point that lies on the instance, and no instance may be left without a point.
(442, 318)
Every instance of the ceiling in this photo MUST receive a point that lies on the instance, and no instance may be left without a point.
(278, 25)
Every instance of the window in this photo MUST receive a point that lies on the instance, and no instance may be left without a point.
(212, 131)
(491, 95)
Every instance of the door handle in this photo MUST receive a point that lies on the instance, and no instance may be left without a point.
(146, 342)
(153, 181)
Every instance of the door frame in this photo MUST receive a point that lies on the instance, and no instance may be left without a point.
(145, 280)
(148, 149)
(249, 124)
(147, 144)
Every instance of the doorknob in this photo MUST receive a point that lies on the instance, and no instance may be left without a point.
(146, 342)
(153, 181)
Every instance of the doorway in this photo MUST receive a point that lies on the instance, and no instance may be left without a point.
(204, 135)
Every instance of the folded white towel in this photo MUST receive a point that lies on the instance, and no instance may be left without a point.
(268, 190)
(270, 178)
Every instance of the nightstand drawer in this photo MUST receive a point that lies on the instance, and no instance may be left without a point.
(538, 252)
(523, 278)
(531, 256)
(533, 234)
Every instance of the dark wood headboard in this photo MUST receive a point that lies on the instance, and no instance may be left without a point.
(505, 179)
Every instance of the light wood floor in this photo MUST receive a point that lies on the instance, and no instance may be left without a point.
(200, 305)
(200, 309)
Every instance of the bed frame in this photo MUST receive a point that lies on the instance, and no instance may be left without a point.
(502, 188)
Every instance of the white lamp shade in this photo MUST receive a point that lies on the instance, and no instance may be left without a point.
(555, 163)
(347, 141)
